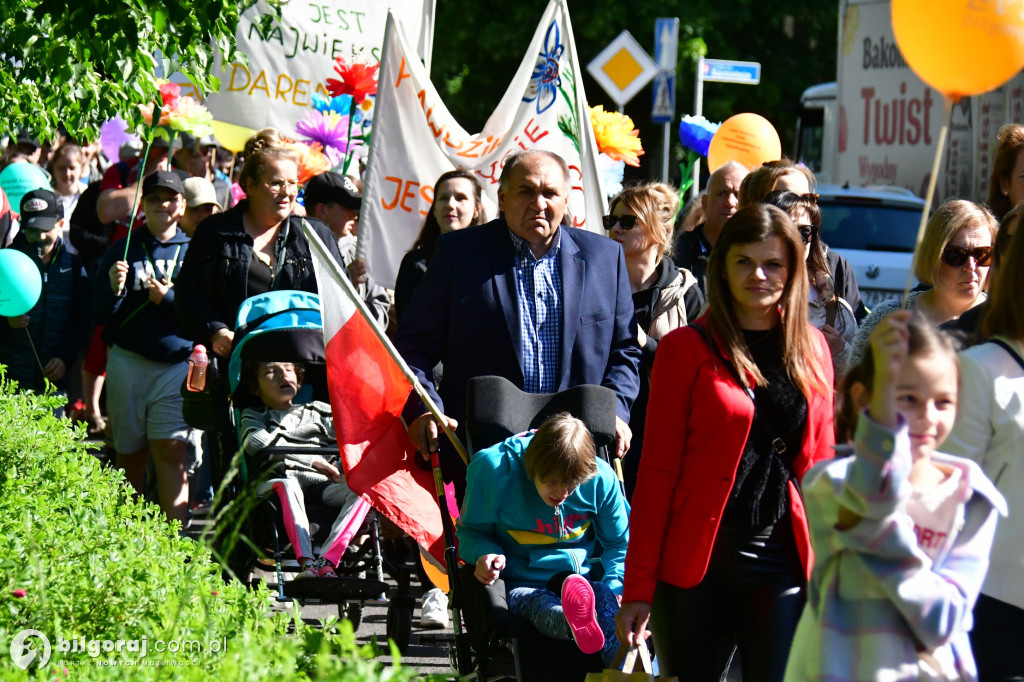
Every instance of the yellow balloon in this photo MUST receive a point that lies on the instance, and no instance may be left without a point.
(232, 137)
(748, 139)
(961, 47)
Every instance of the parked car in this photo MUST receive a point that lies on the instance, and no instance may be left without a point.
(875, 229)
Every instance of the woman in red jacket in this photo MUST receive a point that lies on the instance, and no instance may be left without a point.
(719, 549)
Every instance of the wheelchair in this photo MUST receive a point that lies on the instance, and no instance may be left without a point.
(286, 326)
(506, 646)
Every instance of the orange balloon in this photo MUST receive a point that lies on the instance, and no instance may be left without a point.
(748, 139)
(961, 47)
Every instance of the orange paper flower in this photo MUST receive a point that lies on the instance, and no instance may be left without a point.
(358, 78)
(312, 160)
(616, 135)
(147, 114)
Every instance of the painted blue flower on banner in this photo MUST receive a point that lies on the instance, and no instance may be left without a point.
(545, 81)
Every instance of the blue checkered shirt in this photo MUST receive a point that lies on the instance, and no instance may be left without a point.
(539, 285)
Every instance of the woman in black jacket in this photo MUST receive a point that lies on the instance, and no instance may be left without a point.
(256, 247)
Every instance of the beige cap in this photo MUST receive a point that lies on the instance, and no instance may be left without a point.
(199, 192)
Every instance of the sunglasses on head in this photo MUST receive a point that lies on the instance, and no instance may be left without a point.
(626, 221)
(956, 256)
(807, 232)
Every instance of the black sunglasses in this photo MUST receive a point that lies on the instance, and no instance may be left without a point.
(627, 221)
(807, 232)
(956, 256)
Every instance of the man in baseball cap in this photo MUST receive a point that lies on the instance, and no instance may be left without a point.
(55, 327)
(200, 203)
(335, 199)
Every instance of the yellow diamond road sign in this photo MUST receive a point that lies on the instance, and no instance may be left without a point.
(622, 68)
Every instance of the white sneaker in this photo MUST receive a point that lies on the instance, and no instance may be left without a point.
(434, 611)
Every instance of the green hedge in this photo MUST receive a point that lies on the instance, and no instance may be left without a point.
(80, 559)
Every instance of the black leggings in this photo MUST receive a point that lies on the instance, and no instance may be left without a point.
(996, 638)
(752, 595)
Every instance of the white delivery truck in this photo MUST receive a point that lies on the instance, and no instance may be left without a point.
(870, 138)
(878, 124)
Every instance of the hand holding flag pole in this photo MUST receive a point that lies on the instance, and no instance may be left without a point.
(354, 298)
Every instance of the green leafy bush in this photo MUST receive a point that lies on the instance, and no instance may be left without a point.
(79, 558)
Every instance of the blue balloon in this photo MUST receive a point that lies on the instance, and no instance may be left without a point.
(20, 283)
(20, 178)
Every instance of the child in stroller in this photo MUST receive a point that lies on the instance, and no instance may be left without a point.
(297, 477)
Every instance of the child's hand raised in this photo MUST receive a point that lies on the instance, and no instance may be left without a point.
(889, 349)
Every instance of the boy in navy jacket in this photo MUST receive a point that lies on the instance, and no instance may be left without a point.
(134, 298)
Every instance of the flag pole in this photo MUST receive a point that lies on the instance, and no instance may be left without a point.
(346, 286)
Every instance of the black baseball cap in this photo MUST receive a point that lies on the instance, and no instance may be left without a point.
(41, 210)
(333, 187)
(161, 178)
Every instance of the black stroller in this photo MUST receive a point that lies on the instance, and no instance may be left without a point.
(286, 326)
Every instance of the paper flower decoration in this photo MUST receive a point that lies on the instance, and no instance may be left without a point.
(186, 115)
(616, 135)
(337, 105)
(358, 78)
(695, 132)
(330, 131)
(611, 172)
(312, 160)
(147, 115)
(170, 92)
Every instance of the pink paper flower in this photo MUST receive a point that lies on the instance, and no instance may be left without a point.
(170, 92)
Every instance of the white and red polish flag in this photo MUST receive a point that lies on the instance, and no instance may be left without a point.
(368, 390)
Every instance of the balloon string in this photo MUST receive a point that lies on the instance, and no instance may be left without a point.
(34, 352)
(929, 197)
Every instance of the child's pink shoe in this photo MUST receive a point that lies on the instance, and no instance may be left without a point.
(578, 606)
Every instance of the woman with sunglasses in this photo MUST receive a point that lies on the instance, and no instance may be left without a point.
(740, 408)
(826, 310)
(665, 296)
(256, 247)
(953, 260)
(772, 176)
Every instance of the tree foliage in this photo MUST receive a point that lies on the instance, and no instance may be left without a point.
(476, 52)
(79, 63)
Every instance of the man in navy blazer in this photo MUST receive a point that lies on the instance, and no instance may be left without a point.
(546, 306)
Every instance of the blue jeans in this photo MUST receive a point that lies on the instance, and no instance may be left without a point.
(543, 608)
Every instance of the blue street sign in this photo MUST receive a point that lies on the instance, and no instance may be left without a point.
(663, 109)
(726, 71)
(666, 42)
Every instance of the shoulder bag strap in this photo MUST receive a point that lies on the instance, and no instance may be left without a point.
(1009, 349)
(831, 309)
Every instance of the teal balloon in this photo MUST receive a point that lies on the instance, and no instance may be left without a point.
(20, 178)
(20, 283)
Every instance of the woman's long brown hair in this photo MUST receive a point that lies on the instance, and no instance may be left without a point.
(758, 223)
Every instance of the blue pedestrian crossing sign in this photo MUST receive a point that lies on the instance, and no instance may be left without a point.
(664, 107)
